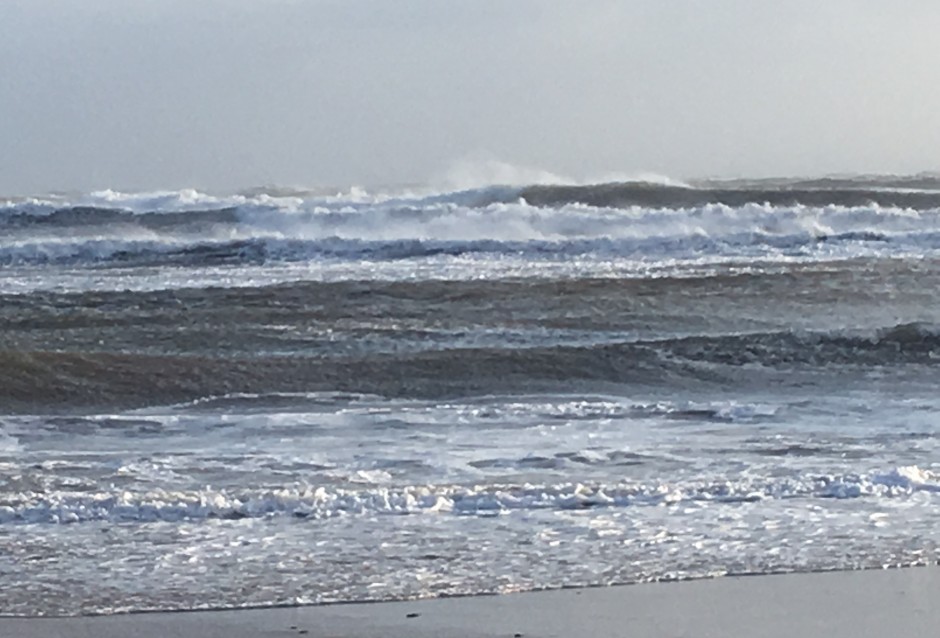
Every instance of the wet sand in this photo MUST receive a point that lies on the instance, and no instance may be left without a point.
(833, 605)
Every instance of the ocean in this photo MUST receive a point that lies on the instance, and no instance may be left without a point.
(289, 397)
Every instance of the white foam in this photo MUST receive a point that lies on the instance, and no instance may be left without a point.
(9, 444)
(718, 410)
(482, 500)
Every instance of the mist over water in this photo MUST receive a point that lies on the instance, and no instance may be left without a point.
(293, 396)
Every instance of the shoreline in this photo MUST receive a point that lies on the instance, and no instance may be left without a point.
(836, 604)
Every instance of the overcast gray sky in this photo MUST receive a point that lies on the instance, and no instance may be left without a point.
(223, 94)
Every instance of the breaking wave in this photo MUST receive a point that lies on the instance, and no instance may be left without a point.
(396, 230)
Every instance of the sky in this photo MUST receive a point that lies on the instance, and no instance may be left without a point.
(228, 94)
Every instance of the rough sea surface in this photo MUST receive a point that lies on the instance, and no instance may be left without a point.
(291, 397)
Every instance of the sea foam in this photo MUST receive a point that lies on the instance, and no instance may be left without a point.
(319, 502)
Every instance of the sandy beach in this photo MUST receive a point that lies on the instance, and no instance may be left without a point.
(835, 605)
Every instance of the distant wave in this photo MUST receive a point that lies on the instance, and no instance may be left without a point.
(79, 216)
(921, 181)
(266, 198)
(664, 196)
(915, 191)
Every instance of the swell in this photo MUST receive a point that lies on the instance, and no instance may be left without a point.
(42, 381)
(920, 181)
(625, 195)
(909, 343)
(100, 216)
(46, 381)
(296, 317)
(367, 317)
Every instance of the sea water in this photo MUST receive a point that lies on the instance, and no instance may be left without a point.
(298, 397)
